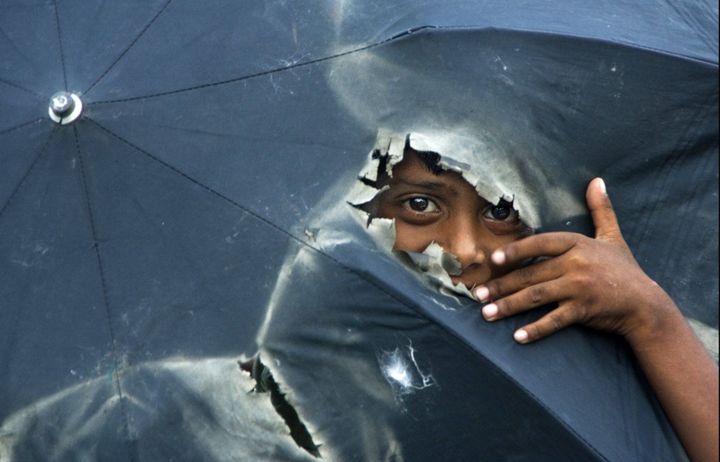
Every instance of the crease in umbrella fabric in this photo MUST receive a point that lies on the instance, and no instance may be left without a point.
(196, 213)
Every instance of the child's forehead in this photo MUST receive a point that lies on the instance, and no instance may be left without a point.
(412, 169)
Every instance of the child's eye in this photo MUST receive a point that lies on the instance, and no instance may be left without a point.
(503, 211)
(421, 204)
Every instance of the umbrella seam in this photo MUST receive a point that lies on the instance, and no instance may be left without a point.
(17, 127)
(59, 34)
(695, 25)
(621, 43)
(103, 284)
(132, 43)
(40, 153)
(238, 79)
(20, 87)
(357, 274)
(416, 30)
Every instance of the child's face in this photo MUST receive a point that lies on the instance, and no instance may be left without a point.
(446, 209)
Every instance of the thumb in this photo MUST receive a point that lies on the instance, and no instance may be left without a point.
(601, 209)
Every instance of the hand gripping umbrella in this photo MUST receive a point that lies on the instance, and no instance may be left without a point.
(172, 195)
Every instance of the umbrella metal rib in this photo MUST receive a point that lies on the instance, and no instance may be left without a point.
(106, 303)
(239, 79)
(20, 87)
(130, 45)
(24, 177)
(60, 43)
(20, 125)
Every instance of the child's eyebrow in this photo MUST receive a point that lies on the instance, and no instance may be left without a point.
(431, 185)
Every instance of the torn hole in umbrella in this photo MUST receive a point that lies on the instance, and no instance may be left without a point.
(265, 383)
(402, 371)
(432, 210)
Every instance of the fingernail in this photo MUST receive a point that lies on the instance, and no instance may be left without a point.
(601, 183)
(482, 293)
(490, 311)
(498, 257)
(520, 336)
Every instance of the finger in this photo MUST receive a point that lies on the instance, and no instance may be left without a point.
(525, 299)
(539, 245)
(518, 279)
(552, 322)
(601, 209)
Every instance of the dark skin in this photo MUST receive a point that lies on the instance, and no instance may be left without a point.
(592, 281)
(446, 209)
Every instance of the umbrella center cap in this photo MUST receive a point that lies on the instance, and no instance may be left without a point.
(64, 107)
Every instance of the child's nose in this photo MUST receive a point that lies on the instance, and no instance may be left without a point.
(465, 244)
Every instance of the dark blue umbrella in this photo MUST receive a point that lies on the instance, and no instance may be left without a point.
(173, 195)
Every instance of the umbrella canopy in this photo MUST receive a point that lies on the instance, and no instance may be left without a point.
(172, 195)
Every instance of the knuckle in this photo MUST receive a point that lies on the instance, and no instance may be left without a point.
(526, 275)
(495, 287)
(582, 313)
(554, 323)
(510, 251)
(537, 295)
(574, 260)
(548, 325)
(578, 259)
(571, 239)
(506, 307)
(561, 318)
(582, 281)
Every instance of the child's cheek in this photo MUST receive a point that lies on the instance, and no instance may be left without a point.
(411, 238)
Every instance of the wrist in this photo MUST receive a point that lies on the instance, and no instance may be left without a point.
(656, 319)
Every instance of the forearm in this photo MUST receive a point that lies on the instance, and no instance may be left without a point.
(684, 377)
